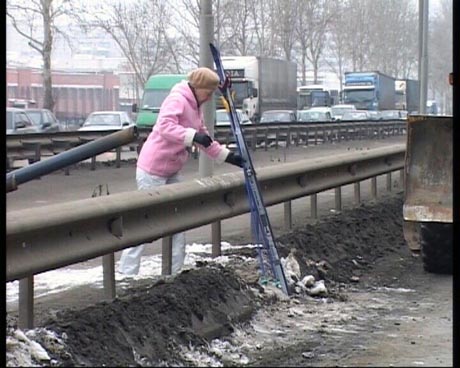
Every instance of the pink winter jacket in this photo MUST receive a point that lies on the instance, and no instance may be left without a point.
(164, 152)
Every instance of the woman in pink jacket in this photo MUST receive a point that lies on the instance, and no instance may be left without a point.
(180, 125)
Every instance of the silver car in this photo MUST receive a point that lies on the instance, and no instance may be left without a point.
(44, 119)
(313, 116)
(223, 119)
(19, 122)
(107, 120)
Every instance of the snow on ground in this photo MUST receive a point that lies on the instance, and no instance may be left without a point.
(62, 279)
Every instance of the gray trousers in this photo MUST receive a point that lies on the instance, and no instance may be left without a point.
(130, 259)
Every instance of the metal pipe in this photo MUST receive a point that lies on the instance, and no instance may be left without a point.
(69, 157)
(423, 53)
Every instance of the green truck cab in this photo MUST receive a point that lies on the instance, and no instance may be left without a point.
(155, 91)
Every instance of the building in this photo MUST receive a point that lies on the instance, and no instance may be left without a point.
(76, 94)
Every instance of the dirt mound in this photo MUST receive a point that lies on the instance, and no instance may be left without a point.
(341, 247)
(147, 325)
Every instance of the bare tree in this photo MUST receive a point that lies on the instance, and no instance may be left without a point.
(440, 55)
(35, 20)
(337, 40)
(313, 19)
(283, 26)
(393, 37)
(262, 15)
(139, 31)
(236, 27)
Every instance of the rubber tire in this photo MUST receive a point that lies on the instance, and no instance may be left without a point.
(436, 247)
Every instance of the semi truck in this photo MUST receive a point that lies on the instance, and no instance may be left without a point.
(260, 84)
(369, 90)
(407, 95)
(428, 191)
(156, 89)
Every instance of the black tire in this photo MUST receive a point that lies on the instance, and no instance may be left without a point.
(436, 247)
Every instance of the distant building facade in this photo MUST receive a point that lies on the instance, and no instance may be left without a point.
(76, 94)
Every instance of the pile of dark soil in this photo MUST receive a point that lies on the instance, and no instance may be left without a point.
(148, 324)
(343, 246)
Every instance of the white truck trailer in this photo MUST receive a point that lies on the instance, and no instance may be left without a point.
(261, 83)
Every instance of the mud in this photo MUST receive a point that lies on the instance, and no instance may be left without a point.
(152, 325)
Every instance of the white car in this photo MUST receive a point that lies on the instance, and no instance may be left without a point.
(313, 115)
(223, 119)
(107, 120)
(337, 111)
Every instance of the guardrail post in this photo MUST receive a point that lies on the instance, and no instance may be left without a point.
(35, 147)
(357, 190)
(93, 159)
(374, 187)
(216, 235)
(61, 146)
(338, 198)
(389, 182)
(93, 163)
(314, 206)
(288, 215)
(108, 272)
(26, 303)
(266, 139)
(166, 259)
(297, 136)
(401, 178)
(118, 159)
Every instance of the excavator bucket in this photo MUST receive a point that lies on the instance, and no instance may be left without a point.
(427, 174)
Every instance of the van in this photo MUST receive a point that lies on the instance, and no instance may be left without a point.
(155, 91)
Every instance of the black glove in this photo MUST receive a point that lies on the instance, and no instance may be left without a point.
(234, 159)
(203, 139)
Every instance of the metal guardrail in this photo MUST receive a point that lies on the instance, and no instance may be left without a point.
(37, 145)
(49, 237)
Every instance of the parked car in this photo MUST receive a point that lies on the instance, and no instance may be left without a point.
(44, 119)
(356, 115)
(223, 119)
(278, 116)
(19, 122)
(337, 111)
(393, 114)
(314, 115)
(375, 115)
(107, 120)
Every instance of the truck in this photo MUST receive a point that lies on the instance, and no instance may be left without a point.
(260, 84)
(407, 95)
(369, 90)
(156, 89)
(313, 95)
(428, 201)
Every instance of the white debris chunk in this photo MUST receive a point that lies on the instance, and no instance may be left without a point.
(308, 280)
(38, 352)
(318, 288)
(291, 268)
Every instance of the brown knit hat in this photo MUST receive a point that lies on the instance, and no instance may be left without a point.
(203, 78)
